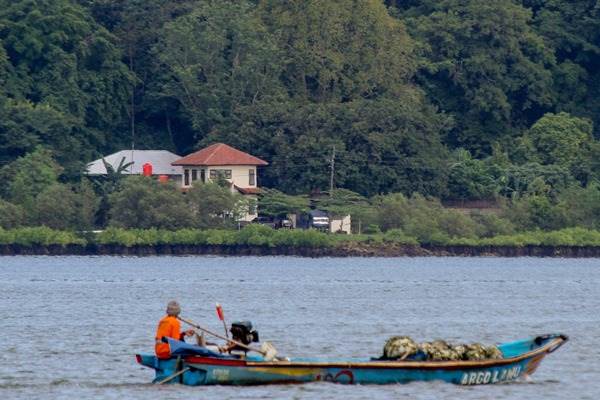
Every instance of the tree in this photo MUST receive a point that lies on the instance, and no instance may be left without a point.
(11, 215)
(215, 206)
(154, 120)
(583, 205)
(218, 59)
(107, 184)
(60, 207)
(572, 29)
(28, 176)
(559, 138)
(340, 50)
(484, 64)
(145, 203)
(537, 211)
(471, 179)
(274, 203)
(340, 202)
(64, 67)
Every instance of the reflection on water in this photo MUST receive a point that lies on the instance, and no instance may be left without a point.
(71, 325)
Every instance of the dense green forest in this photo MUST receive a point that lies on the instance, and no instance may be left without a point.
(444, 99)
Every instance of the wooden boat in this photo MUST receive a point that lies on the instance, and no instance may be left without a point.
(194, 365)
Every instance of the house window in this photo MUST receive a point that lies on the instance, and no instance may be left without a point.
(251, 177)
(225, 173)
(203, 175)
(194, 175)
(186, 177)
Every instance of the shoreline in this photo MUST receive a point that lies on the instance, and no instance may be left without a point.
(344, 250)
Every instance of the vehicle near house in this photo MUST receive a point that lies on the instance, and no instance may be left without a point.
(266, 221)
(318, 219)
(285, 224)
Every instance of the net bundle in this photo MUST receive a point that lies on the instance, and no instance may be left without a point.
(404, 347)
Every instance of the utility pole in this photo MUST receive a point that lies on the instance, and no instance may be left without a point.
(332, 172)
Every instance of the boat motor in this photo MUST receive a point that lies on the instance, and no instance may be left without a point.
(242, 332)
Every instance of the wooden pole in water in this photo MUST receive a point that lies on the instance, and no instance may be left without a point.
(175, 375)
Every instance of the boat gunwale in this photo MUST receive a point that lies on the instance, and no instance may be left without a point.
(451, 365)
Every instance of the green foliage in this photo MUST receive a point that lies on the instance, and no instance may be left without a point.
(42, 236)
(398, 236)
(251, 235)
(520, 179)
(559, 139)
(382, 145)
(583, 206)
(578, 237)
(341, 202)
(537, 211)
(422, 218)
(490, 225)
(340, 50)
(62, 208)
(11, 215)
(29, 175)
(471, 179)
(219, 58)
(484, 63)
(255, 235)
(215, 206)
(145, 203)
(452, 99)
(274, 203)
(65, 77)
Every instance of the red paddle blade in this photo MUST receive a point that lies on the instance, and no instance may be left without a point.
(220, 312)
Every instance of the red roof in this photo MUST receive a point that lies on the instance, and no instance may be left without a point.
(247, 190)
(219, 154)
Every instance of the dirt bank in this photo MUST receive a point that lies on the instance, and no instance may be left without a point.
(344, 250)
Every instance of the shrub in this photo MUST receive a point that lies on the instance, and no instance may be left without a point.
(302, 238)
(255, 235)
(144, 203)
(42, 236)
(11, 215)
(398, 236)
(60, 207)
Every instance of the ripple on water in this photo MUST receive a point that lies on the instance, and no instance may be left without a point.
(75, 323)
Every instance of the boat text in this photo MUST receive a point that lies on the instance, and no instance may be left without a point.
(483, 377)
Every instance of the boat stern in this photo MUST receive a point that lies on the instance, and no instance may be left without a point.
(164, 369)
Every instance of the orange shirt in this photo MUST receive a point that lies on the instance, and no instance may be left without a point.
(168, 326)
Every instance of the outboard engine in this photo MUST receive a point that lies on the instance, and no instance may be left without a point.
(242, 332)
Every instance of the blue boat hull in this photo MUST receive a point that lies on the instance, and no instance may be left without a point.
(520, 358)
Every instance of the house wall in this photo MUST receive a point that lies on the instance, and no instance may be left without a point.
(240, 174)
(240, 177)
(341, 225)
(251, 213)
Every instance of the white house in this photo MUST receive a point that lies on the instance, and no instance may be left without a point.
(219, 159)
(159, 160)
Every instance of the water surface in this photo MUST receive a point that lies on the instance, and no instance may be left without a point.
(71, 325)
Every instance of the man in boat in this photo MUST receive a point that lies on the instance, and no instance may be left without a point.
(171, 327)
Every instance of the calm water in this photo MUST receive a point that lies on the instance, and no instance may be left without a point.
(71, 325)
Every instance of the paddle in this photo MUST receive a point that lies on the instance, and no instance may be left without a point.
(267, 350)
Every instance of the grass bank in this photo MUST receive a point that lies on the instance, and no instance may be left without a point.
(261, 240)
